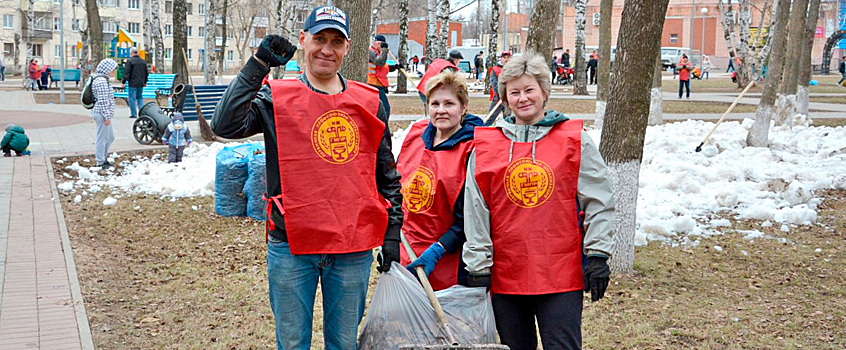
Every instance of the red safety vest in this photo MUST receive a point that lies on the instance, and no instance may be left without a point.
(377, 75)
(327, 147)
(497, 70)
(534, 218)
(431, 183)
(435, 68)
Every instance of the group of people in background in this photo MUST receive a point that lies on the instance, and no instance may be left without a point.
(39, 77)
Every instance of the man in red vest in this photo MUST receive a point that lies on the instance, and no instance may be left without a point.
(331, 177)
(377, 69)
(493, 73)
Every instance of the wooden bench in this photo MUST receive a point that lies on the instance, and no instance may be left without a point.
(74, 75)
(157, 84)
(207, 96)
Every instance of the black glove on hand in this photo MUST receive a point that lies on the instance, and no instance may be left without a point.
(275, 51)
(597, 275)
(383, 45)
(390, 253)
(479, 281)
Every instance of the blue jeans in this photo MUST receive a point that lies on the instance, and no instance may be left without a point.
(3, 73)
(136, 100)
(293, 284)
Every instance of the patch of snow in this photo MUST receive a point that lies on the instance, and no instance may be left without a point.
(77, 199)
(718, 248)
(109, 201)
(784, 228)
(818, 250)
(65, 186)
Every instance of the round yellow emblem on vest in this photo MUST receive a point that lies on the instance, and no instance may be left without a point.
(335, 137)
(528, 184)
(418, 190)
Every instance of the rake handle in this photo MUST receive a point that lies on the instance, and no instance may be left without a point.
(699, 148)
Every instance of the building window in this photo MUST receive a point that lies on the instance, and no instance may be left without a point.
(135, 4)
(58, 51)
(56, 24)
(73, 51)
(76, 24)
(43, 23)
(108, 3)
(168, 53)
(230, 56)
(190, 31)
(37, 50)
(134, 27)
(8, 21)
(189, 8)
(168, 6)
(201, 9)
(8, 49)
(189, 53)
(109, 25)
(168, 30)
(201, 32)
(674, 38)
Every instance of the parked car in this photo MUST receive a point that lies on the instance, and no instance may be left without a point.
(671, 55)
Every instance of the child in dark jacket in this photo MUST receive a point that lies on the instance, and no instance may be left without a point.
(16, 140)
(176, 137)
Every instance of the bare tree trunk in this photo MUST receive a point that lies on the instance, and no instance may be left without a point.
(544, 17)
(605, 9)
(180, 42)
(148, 41)
(580, 85)
(805, 63)
(656, 104)
(156, 30)
(786, 104)
(223, 33)
(30, 32)
(443, 19)
(725, 19)
(744, 19)
(211, 56)
(95, 32)
(84, 54)
(355, 63)
(764, 53)
(402, 50)
(627, 114)
(283, 11)
(758, 135)
(17, 53)
(493, 41)
(432, 45)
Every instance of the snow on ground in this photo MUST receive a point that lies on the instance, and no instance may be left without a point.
(683, 194)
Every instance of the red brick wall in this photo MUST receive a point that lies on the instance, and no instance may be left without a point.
(417, 30)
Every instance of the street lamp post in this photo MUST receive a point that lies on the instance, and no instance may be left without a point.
(692, 16)
(704, 11)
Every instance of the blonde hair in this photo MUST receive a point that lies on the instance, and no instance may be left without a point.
(531, 64)
(451, 81)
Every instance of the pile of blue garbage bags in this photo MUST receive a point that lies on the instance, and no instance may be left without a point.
(240, 181)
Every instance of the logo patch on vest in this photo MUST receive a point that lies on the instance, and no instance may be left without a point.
(335, 137)
(418, 192)
(528, 184)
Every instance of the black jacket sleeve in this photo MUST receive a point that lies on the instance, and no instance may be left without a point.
(388, 179)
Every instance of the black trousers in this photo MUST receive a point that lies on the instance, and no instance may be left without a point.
(559, 317)
(684, 85)
(383, 97)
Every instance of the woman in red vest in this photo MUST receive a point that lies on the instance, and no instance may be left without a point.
(433, 166)
(533, 182)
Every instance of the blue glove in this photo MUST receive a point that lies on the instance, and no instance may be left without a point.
(428, 259)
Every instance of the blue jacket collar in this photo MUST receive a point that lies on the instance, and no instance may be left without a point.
(463, 134)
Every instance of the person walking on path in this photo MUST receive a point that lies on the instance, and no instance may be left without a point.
(135, 72)
(553, 67)
(706, 67)
(592, 64)
(103, 111)
(333, 188)
(479, 63)
(14, 140)
(842, 69)
(433, 166)
(565, 58)
(377, 69)
(533, 183)
(2, 68)
(684, 68)
(493, 73)
(34, 74)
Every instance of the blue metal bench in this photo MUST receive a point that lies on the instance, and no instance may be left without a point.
(157, 84)
(74, 75)
(207, 96)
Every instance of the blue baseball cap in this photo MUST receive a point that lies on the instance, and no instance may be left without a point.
(327, 17)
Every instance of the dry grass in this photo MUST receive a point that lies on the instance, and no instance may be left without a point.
(827, 84)
(165, 276)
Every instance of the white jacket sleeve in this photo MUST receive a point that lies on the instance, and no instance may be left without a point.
(596, 199)
(478, 250)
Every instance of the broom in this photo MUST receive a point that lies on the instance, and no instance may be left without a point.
(205, 129)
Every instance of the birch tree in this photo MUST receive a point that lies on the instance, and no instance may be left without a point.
(802, 95)
(759, 132)
(377, 10)
(443, 19)
(493, 41)
(606, 7)
(432, 45)
(544, 16)
(626, 117)
(30, 32)
(180, 42)
(148, 41)
(790, 77)
(764, 53)
(284, 11)
(656, 102)
(580, 85)
(744, 71)
(727, 20)
(355, 63)
(245, 13)
(208, 50)
(156, 29)
(402, 50)
(224, 20)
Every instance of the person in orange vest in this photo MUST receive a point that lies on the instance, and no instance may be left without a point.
(493, 73)
(378, 68)
(333, 188)
(538, 204)
(433, 166)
